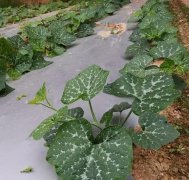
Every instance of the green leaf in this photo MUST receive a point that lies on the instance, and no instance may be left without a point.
(121, 107)
(157, 29)
(75, 156)
(86, 85)
(155, 132)
(107, 116)
(37, 37)
(166, 50)
(148, 92)
(136, 16)
(138, 48)
(60, 35)
(40, 95)
(75, 113)
(49, 123)
(137, 66)
(85, 30)
(136, 36)
(39, 61)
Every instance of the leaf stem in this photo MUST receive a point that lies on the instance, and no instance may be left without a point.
(50, 107)
(48, 101)
(120, 117)
(95, 122)
(96, 126)
(127, 117)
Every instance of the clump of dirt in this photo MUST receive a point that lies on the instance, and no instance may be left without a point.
(171, 162)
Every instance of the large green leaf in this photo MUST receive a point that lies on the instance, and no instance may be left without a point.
(85, 30)
(61, 116)
(86, 85)
(167, 50)
(157, 29)
(136, 36)
(37, 37)
(137, 66)
(76, 157)
(138, 48)
(39, 62)
(152, 93)
(136, 16)
(60, 35)
(75, 113)
(155, 131)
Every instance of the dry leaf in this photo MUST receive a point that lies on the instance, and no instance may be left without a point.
(104, 34)
(157, 63)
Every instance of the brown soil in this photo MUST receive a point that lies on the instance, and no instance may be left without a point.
(171, 162)
(182, 20)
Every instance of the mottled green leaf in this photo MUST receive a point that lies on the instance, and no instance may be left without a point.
(76, 157)
(155, 131)
(136, 16)
(157, 29)
(85, 30)
(59, 117)
(138, 48)
(148, 91)
(39, 62)
(137, 66)
(60, 35)
(166, 50)
(75, 113)
(86, 85)
(136, 36)
(37, 37)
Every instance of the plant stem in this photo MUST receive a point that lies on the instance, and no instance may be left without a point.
(95, 122)
(127, 117)
(120, 117)
(50, 107)
(48, 102)
(97, 126)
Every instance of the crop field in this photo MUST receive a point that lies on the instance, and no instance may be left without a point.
(102, 85)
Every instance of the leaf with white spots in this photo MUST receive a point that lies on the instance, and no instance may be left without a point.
(138, 48)
(76, 157)
(75, 113)
(167, 50)
(157, 29)
(61, 116)
(152, 93)
(86, 85)
(137, 66)
(155, 131)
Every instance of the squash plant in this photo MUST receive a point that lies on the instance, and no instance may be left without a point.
(52, 37)
(73, 149)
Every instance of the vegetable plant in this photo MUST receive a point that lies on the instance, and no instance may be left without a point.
(74, 150)
(51, 37)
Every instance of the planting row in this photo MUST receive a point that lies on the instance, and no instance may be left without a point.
(73, 150)
(17, 14)
(24, 52)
